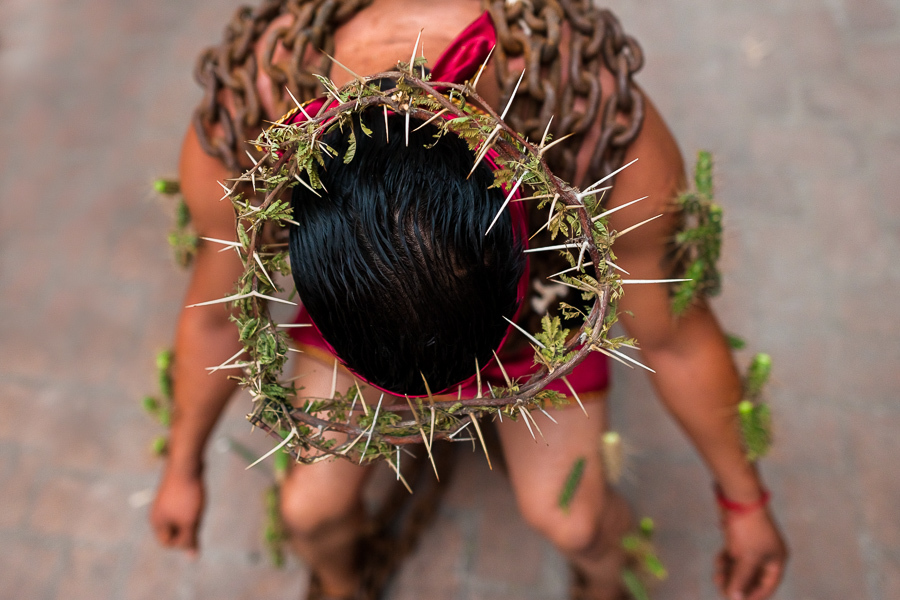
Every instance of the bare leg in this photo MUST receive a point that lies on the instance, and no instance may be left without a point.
(321, 504)
(589, 533)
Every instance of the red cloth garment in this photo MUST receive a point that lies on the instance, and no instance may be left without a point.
(459, 62)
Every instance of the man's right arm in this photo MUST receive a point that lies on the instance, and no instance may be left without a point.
(204, 338)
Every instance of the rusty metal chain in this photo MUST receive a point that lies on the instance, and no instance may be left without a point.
(533, 30)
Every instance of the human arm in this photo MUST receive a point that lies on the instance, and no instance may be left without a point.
(204, 337)
(695, 375)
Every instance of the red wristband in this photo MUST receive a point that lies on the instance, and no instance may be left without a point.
(729, 505)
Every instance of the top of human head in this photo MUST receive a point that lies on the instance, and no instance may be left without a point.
(392, 262)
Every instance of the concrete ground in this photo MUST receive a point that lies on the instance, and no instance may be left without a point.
(799, 101)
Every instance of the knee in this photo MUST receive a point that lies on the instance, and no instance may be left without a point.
(575, 531)
(306, 513)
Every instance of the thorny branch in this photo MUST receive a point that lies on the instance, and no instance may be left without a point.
(327, 427)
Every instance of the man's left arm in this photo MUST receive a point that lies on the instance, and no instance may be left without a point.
(695, 378)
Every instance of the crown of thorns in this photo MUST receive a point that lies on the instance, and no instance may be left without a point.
(346, 424)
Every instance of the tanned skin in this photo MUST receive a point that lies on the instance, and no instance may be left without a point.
(695, 376)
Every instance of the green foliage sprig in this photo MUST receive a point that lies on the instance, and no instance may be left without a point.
(644, 566)
(754, 414)
(293, 155)
(160, 407)
(182, 239)
(699, 243)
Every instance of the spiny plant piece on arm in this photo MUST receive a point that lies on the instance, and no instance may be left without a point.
(698, 245)
(755, 416)
(182, 238)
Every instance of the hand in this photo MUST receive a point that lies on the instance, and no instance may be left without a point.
(752, 562)
(176, 512)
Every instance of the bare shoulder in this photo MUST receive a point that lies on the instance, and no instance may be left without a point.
(200, 175)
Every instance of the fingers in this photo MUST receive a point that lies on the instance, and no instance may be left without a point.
(723, 566)
(742, 575)
(768, 580)
(179, 536)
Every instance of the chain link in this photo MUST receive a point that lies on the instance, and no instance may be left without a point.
(532, 30)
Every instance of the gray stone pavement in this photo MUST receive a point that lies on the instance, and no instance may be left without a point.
(798, 99)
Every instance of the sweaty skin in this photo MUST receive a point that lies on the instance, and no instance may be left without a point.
(696, 378)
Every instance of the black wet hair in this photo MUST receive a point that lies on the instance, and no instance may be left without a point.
(392, 262)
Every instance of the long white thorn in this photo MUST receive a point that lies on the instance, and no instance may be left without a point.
(575, 268)
(575, 395)
(263, 269)
(300, 106)
(399, 476)
(334, 379)
(546, 131)
(433, 117)
(654, 280)
(225, 365)
(306, 185)
(525, 333)
(371, 428)
(293, 325)
(555, 142)
(633, 227)
(530, 430)
(552, 209)
(592, 192)
(613, 174)
(412, 59)
(509, 196)
(253, 294)
(227, 190)
(539, 197)
(225, 243)
(502, 369)
(513, 96)
(359, 78)
(618, 208)
(631, 360)
(484, 149)
(407, 128)
(536, 426)
(559, 247)
(474, 421)
(548, 415)
(483, 67)
(478, 378)
(612, 356)
(617, 267)
(287, 438)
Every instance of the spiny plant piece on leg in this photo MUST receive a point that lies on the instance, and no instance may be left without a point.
(573, 481)
(643, 566)
(613, 455)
